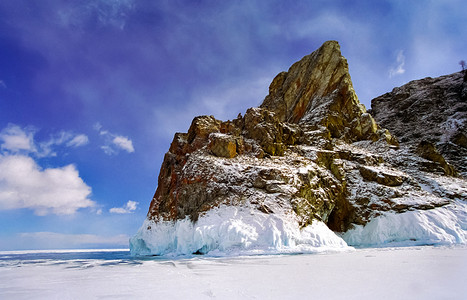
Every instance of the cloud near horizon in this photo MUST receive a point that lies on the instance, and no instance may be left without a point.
(24, 184)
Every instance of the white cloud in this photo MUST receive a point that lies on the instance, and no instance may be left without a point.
(108, 150)
(15, 139)
(398, 68)
(66, 138)
(129, 207)
(114, 142)
(23, 184)
(46, 148)
(97, 126)
(79, 140)
(123, 143)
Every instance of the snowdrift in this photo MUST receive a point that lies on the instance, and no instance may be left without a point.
(228, 230)
(441, 226)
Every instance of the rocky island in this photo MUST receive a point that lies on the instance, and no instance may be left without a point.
(312, 169)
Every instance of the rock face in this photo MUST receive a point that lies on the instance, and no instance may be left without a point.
(318, 91)
(310, 151)
(430, 116)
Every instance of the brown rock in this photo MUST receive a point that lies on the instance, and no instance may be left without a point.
(201, 127)
(430, 109)
(460, 139)
(384, 178)
(222, 145)
(263, 126)
(318, 90)
(428, 151)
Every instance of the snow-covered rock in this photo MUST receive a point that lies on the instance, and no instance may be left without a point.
(432, 111)
(440, 226)
(309, 161)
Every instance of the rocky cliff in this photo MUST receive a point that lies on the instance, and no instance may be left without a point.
(310, 152)
(430, 117)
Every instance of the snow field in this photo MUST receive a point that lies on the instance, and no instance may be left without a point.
(384, 273)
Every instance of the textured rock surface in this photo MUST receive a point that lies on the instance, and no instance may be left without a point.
(429, 111)
(317, 90)
(310, 150)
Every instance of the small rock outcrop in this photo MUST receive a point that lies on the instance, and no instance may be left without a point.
(311, 150)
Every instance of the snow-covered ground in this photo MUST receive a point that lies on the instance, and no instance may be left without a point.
(384, 273)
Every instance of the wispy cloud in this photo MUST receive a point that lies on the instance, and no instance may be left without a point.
(24, 184)
(17, 140)
(128, 208)
(107, 13)
(65, 138)
(113, 143)
(124, 143)
(78, 141)
(398, 67)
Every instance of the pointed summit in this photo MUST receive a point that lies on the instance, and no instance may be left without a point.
(317, 90)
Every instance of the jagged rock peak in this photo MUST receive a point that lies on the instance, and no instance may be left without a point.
(317, 90)
(190, 183)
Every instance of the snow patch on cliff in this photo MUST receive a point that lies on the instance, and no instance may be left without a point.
(230, 230)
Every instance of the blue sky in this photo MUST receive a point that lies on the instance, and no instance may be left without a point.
(92, 91)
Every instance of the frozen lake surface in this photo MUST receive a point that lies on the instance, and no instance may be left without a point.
(378, 273)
